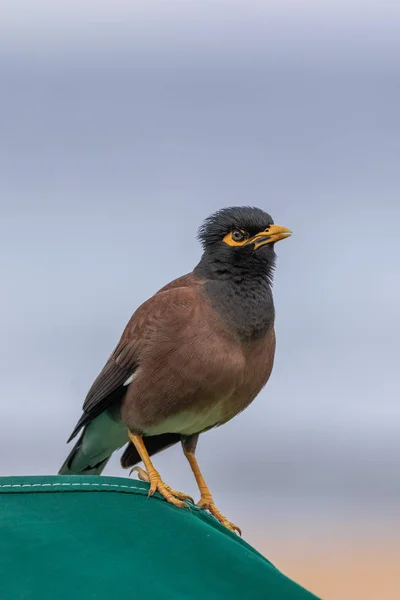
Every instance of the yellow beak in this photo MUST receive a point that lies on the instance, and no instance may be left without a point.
(272, 234)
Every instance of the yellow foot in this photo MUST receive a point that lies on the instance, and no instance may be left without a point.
(157, 485)
(207, 503)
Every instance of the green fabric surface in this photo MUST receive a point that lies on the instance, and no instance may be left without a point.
(102, 537)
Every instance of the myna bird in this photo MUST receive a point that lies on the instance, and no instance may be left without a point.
(191, 357)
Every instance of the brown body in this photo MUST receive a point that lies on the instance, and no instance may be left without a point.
(205, 379)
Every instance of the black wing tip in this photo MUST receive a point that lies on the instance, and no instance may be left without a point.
(84, 420)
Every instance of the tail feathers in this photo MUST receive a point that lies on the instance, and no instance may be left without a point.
(79, 463)
(98, 440)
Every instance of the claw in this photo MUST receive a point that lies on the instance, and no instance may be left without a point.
(142, 474)
(157, 485)
(207, 503)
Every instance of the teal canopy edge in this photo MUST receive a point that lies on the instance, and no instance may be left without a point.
(55, 484)
(35, 484)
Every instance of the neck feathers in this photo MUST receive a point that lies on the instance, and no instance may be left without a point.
(241, 294)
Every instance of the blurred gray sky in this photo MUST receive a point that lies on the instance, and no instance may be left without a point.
(121, 118)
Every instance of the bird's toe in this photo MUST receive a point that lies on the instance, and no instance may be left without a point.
(176, 498)
(207, 503)
(157, 485)
(142, 474)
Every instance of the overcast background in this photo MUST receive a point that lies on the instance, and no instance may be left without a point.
(123, 118)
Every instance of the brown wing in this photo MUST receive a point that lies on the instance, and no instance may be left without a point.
(108, 388)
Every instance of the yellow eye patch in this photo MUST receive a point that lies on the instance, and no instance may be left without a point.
(237, 237)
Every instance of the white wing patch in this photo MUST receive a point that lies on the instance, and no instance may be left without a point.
(129, 380)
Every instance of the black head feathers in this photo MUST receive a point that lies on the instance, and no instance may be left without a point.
(251, 219)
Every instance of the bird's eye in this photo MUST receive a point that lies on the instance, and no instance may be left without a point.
(238, 236)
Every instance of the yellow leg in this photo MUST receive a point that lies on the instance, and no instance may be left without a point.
(206, 501)
(153, 477)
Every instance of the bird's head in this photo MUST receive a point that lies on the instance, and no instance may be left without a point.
(241, 238)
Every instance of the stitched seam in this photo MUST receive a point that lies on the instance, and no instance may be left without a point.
(36, 485)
